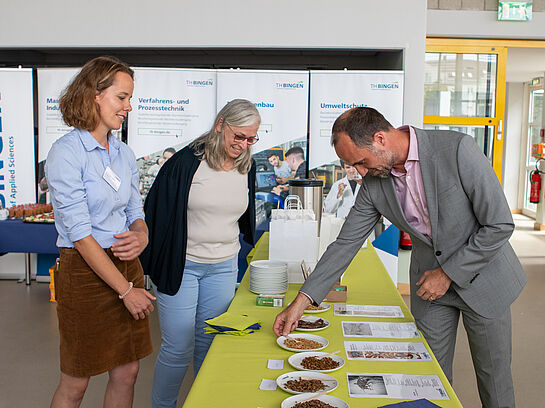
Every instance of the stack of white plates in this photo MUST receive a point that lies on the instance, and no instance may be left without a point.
(268, 277)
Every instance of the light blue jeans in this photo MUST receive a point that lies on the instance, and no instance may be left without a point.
(206, 292)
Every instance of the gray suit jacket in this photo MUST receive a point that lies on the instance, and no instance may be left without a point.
(470, 221)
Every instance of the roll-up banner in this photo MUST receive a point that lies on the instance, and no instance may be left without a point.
(51, 82)
(17, 165)
(333, 92)
(281, 98)
(171, 107)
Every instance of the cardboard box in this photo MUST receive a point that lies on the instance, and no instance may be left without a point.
(337, 294)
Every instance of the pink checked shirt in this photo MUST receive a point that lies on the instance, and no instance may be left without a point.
(410, 189)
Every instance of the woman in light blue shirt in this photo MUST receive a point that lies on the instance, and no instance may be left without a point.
(93, 181)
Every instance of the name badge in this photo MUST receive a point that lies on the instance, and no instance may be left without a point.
(111, 178)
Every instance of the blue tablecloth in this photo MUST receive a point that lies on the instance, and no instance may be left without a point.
(19, 236)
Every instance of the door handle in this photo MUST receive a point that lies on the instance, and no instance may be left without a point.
(499, 130)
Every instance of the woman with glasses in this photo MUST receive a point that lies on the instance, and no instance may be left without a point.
(202, 198)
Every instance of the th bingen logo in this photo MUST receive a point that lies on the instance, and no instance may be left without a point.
(199, 83)
(385, 85)
(290, 85)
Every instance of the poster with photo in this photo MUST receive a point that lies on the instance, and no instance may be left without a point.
(51, 83)
(334, 92)
(170, 108)
(281, 98)
(331, 94)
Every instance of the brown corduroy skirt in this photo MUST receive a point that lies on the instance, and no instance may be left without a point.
(97, 332)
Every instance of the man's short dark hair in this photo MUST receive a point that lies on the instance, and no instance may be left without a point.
(360, 124)
(296, 150)
(169, 150)
(272, 154)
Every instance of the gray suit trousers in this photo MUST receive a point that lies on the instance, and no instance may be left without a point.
(489, 341)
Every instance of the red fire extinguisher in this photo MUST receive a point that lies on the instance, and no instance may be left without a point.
(535, 183)
(405, 241)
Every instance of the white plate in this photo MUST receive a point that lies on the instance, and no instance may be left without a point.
(268, 277)
(271, 282)
(268, 292)
(268, 274)
(330, 382)
(312, 319)
(296, 359)
(325, 306)
(254, 288)
(322, 340)
(266, 264)
(328, 399)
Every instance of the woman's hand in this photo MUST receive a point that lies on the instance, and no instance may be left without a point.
(130, 244)
(138, 303)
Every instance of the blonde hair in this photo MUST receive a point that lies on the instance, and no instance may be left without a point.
(211, 145)
(77, 102)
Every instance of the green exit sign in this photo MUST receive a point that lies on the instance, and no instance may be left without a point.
(514, 11)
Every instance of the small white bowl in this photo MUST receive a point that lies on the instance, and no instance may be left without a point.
(328, 399)
(322, 340)
(296, 359)
(330, 382)
(326, 306)
(312, 319)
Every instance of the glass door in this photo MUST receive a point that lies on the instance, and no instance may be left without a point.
(535, 111)
(464, 90)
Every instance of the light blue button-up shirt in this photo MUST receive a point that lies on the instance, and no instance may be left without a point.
(83, 201)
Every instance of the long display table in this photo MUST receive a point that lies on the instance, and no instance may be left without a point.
(235, 366)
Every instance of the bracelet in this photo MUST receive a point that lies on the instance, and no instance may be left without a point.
(127, 291)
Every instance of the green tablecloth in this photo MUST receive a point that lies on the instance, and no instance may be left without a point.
(234, 367)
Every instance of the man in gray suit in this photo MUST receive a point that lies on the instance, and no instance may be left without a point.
(441, 189)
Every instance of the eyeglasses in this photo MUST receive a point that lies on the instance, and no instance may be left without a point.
(241, 138)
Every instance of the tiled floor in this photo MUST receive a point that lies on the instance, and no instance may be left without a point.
(29, 341)
(528, 317)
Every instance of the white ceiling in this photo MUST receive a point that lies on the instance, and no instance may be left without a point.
(523, 64)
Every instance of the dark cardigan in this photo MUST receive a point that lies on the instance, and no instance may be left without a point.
(166, 216)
